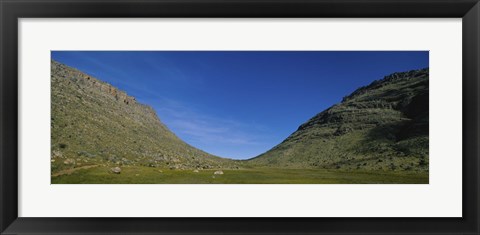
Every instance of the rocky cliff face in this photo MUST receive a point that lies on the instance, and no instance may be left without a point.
(60, 70)
(93, 122)
(382, 126)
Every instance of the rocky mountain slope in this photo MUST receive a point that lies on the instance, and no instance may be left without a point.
(94, 123)
(382, 126)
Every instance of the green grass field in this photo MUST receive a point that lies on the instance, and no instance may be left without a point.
(149, 175)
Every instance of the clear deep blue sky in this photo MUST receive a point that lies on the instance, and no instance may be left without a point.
(239, 104)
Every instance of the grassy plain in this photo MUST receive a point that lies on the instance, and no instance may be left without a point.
(149, 175)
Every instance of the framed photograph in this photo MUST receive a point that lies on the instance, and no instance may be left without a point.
(255, 117)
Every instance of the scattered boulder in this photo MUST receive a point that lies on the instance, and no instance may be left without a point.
(86, 154)
(218, 173)
(112, 158)
(116, 170)
(69, 161)
(125, 161)
(195, 171)
(56, 154)
(152, 165)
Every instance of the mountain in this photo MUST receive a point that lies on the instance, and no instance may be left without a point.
(382, 126)
(94, 123)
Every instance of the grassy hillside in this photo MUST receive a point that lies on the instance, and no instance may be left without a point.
(382, 126)
(94, 123)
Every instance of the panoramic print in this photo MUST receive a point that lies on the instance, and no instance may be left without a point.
(239, 117)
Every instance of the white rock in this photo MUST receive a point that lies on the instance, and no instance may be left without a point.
(116, 170)
(56, 153)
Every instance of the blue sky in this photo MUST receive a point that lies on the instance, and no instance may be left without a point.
(239, 104)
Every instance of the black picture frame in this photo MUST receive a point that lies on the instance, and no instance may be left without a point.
(11, 11)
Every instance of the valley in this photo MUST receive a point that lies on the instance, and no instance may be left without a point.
(377, 134)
